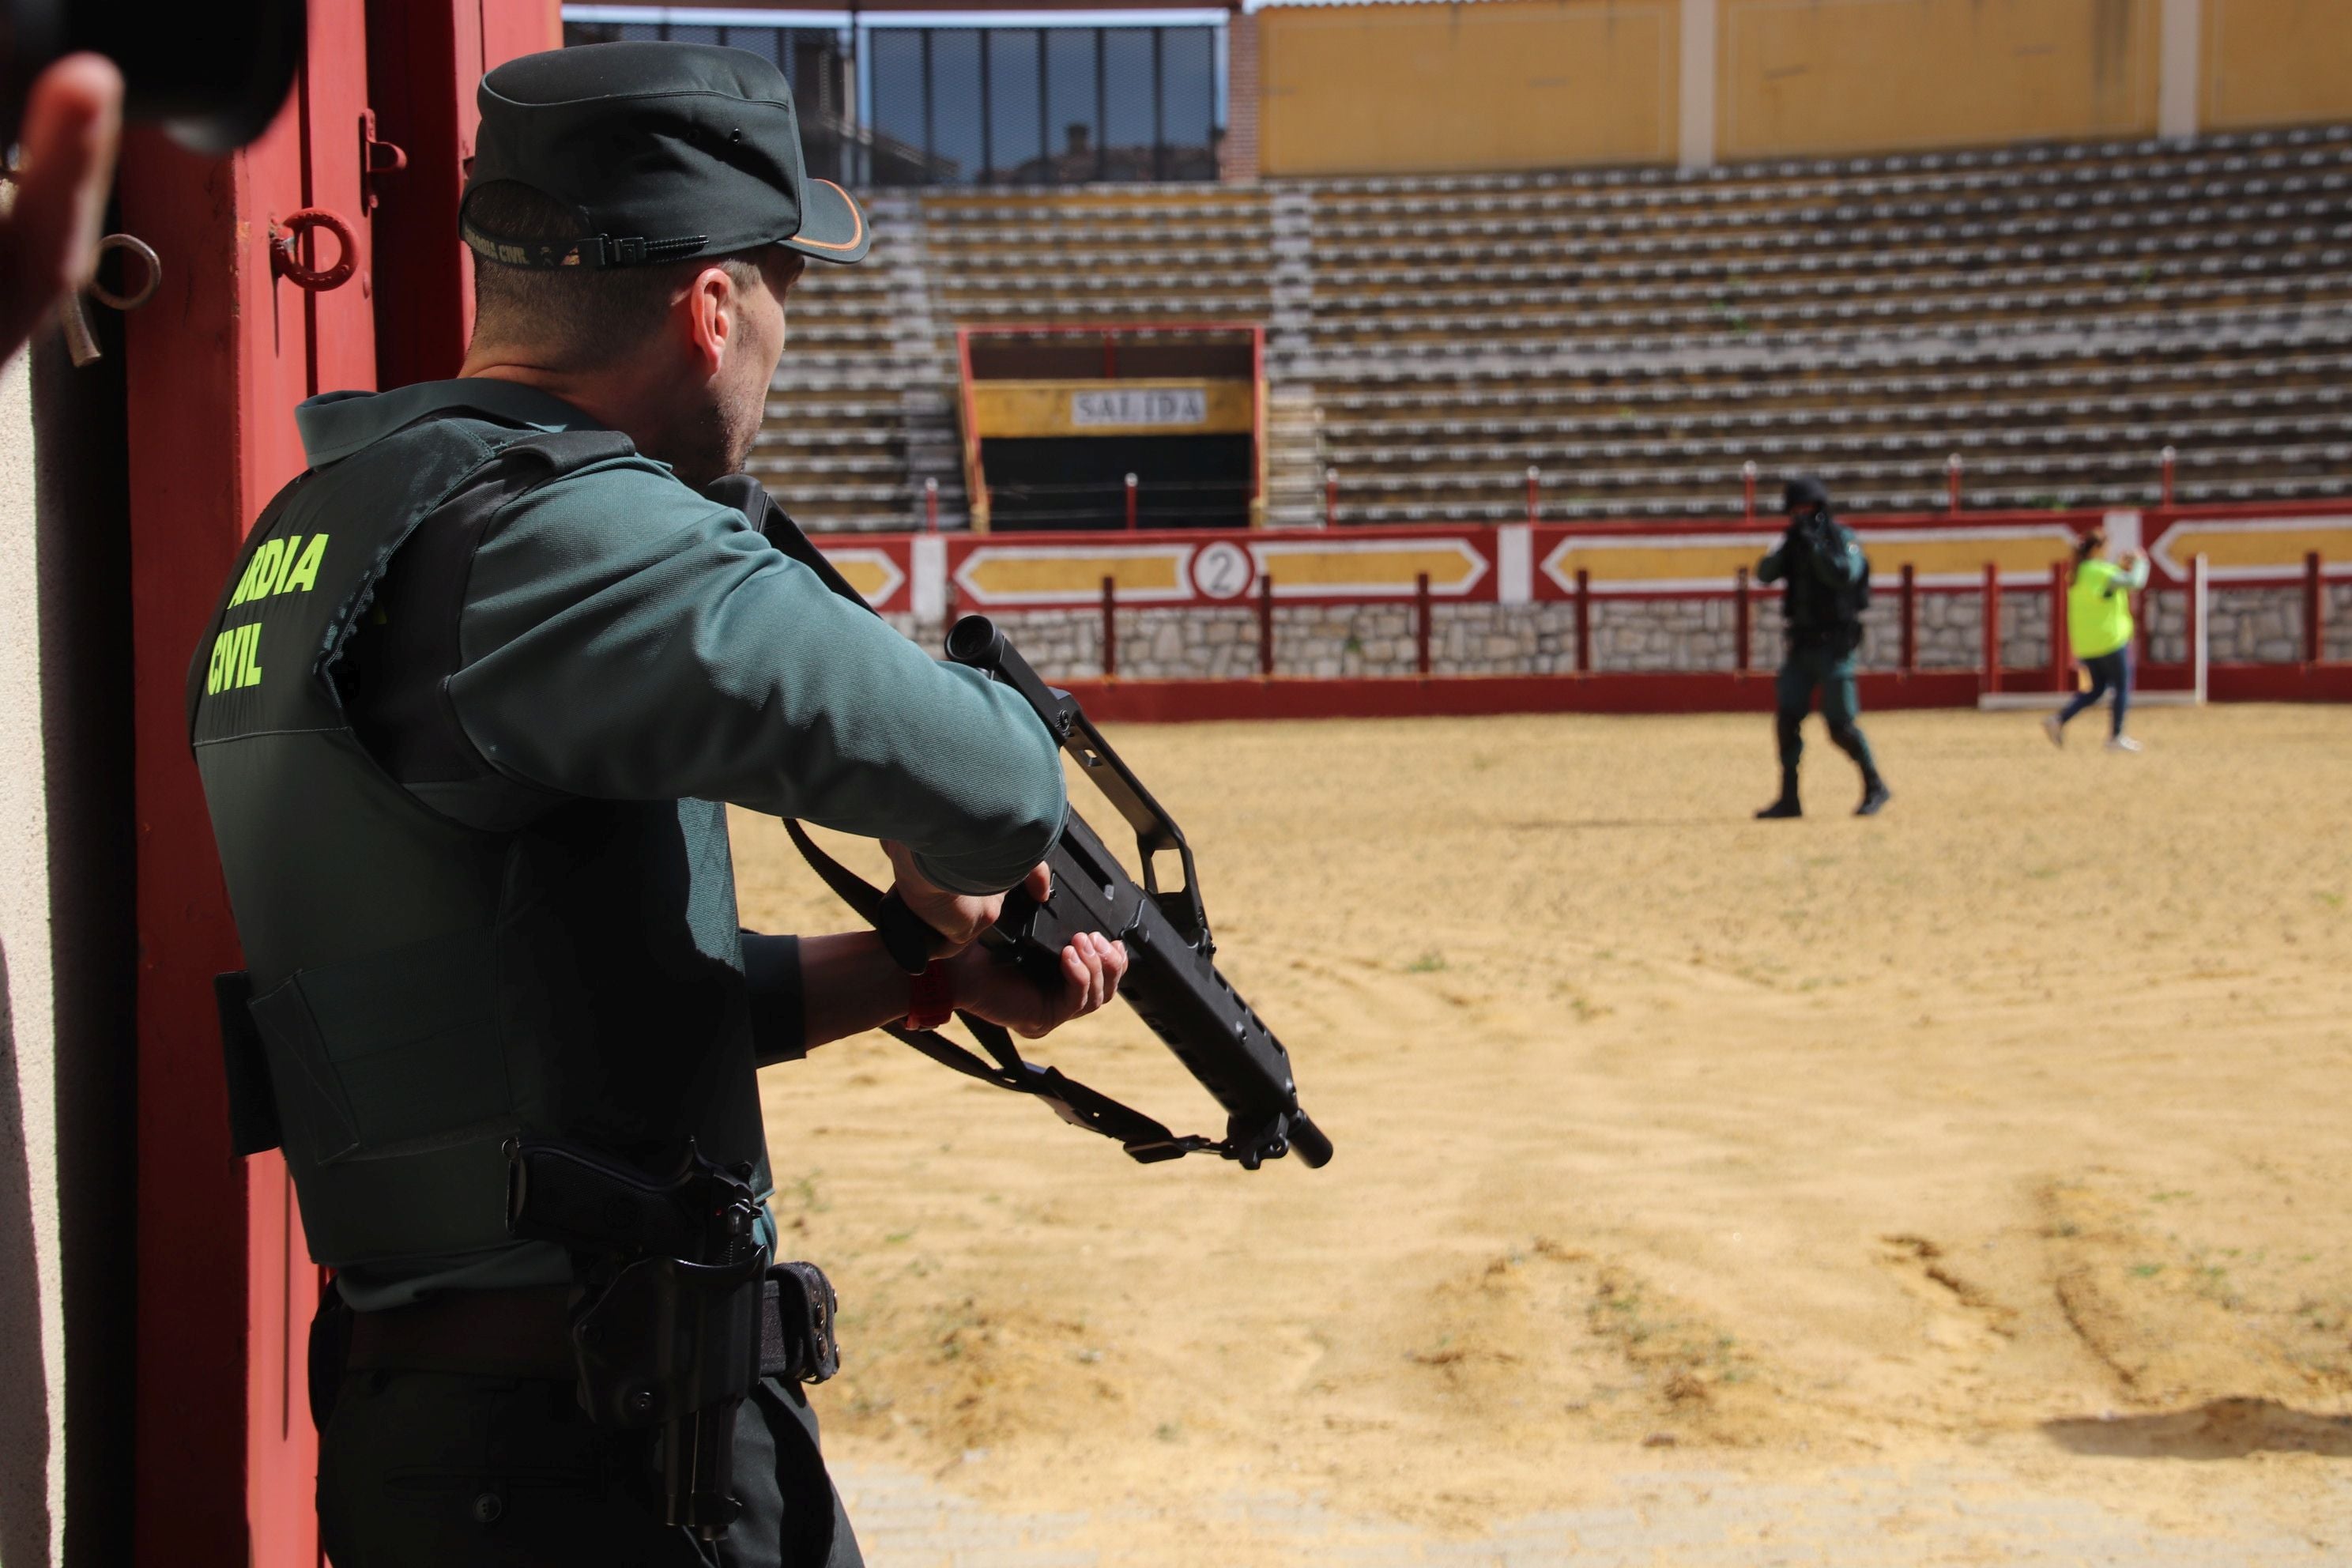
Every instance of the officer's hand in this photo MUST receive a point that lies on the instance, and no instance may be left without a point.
(959, 917)
(1092, 967)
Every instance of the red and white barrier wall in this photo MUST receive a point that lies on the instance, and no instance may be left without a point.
(1636, 616)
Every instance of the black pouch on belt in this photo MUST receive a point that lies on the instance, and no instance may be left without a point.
(797, 1324)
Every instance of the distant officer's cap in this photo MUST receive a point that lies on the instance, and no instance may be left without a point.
(1802, 491)
(665, 151)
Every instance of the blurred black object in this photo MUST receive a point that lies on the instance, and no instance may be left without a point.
(212, 75)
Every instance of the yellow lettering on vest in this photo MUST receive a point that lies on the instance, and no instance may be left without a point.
(257, 577)
(304, 573)
(245, 583)
(216, 672)
(277, 580)
(249, 654)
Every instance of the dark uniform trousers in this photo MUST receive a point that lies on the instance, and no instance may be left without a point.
(457, 1471)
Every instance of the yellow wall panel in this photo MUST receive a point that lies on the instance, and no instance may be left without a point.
(1500, 84)
(2275, 62)
(1808, 77)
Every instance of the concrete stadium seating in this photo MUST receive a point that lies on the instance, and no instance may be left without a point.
(2055, 315)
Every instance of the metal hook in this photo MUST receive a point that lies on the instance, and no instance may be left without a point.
(287, 231)
(73, 315)
(130, 244)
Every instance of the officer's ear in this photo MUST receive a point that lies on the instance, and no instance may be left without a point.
(710, 314)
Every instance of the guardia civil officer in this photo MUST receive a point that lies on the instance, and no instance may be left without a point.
(466, 718)
(1828, 579)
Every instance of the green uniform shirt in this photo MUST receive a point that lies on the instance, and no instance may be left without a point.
(625, 638)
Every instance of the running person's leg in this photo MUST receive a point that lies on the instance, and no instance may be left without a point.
(1792, 698)
(2099, 668)
(1842, 707)
(2121, 679)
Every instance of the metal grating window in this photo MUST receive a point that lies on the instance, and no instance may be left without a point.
(1053, 105)
(1046, 105)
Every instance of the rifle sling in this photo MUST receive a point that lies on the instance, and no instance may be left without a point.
(1143, 1138)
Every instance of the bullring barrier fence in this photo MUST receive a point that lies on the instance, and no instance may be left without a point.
(2243, 601)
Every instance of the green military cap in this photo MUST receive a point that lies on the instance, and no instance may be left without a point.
(665, 151)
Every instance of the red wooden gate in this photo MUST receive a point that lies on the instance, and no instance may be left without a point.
(224, 1451)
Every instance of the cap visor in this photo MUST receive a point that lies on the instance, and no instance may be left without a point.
(832, 229)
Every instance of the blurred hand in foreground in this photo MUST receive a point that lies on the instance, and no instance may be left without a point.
(49, 235)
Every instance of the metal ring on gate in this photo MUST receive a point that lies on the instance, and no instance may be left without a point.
(134, 246)
(288, 229)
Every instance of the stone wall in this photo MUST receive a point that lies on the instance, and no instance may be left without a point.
(1627, 635)
(2265, 626)
(2249, 625)
(68, 965)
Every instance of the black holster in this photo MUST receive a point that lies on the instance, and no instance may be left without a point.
(680, 1312)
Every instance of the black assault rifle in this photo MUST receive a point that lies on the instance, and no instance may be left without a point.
(1172, 979)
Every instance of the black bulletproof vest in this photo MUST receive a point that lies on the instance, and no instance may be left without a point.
(1825, 615)
(427, 978)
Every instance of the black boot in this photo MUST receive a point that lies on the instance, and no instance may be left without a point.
(1787, 805)
(1874, 795)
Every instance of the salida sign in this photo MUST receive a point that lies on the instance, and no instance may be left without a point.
(1165, 406)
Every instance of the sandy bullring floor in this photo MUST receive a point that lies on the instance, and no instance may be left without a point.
(1996, 1148)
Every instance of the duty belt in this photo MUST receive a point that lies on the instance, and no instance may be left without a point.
(527, 1333)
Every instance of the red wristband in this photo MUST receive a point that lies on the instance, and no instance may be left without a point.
(930, 1000)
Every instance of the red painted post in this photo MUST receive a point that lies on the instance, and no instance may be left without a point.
(930, 506)
(1906, 661)
(1748, 479)
(2314, 609)
(2168, 455)
(1952, 481)
(1535, 481)
(1584, 621)
(1330, 497)
(2061, 652)
(1266, 624)
(1130, 503)
(1739, 621)
(1109, 627)
(2194, 616)
(1421, 622)
(1992, 627)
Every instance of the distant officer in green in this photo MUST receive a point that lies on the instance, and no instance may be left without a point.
(2099, 626)
(1828, 579)
(466, 718)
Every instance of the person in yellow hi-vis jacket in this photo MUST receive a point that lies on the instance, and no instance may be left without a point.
(2099, 624)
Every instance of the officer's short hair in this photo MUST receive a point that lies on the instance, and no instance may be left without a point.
(575, 314)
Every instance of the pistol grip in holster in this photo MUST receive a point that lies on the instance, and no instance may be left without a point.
(677, 1345)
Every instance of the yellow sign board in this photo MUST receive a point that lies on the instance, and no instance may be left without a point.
(1072, 573)
(1369, 567)
(1668, 562)
(2256, 546)
(1142, 406)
